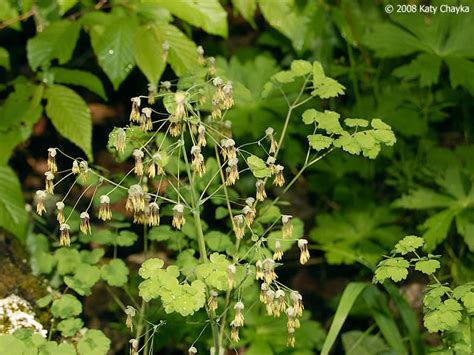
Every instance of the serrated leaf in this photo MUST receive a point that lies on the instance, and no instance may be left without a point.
(319, 142)
(284, 76)
(445, 317)
(258, 167)
(327, 88)
(66, 306)
(393, 268)
(425, 66)
(409, 244)
(115, 273)
(69, 327)
(148, 52)
(206, 14)
(57, 41)
(113, 47)
(94, 342)
(80, 78)
(214, 274)
(53, 348)
(92, 256)
(427, 267)
(423, 198)
(70, 116)
(217, 241)
(13, 215)
(437, 227)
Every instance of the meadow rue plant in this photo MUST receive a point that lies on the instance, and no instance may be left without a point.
(186, 161)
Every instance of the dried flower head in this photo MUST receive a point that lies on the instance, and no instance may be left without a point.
(269, 301)
(52, 160)
(261, 194)
(178, 216)
(136, 199)
(105, 213)
(249, 214)
(280, 304)
(239, 226)
(278, 253)
(75, 167)
(234, 332)
(153, 214)
(304, 253)
(279, 179)
(49, 182)
(146, 123)
(192, 350)
(180, 99)
(152, 92)
(291, 338)
(297, 300)
(269, 271)
(197, 162)
(202, 136)
(135, 112)
(120, 140)
(40, 198)
(239, 316)
(273, 144)
(138, 156)
(60, 215)
(85, 225)
(259, 270)
(212, 300)
(130, 312)
(231, 270)
(200, 52)
(287, 226)
(156, 166)
(64, 238)
(263, 292)
(232, 172)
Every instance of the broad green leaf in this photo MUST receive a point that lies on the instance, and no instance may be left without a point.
(94, 342)
(327, 120)
(85, 276)
(460, 70)
(427, 267)
(437, 227)
(247, 9)
(349, 296)
(296, 22)
(164, 232)
(7, 12)
(115, 273)
(69, 327)
(148, 52)
(92, 256)
(319, 142)
(258, 167)
(392, 268)
(57, 41)
(434, 294)
(425, 66)
(465, 227)
(53, 348)
(409, 244)
(423, 198)
(4, 58)
(389, 40)
(80, 78)
(13, 215)
(70, 116)
(114, 48)
(182, 54)
(206, 14)
(66, 306)
(284, 76)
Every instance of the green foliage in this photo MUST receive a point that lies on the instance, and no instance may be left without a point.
(12, 207)
(183, 298)
(115, 273)
(93, 342)
(66, 306)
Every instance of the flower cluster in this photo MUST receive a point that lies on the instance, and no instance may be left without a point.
(16, 313)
